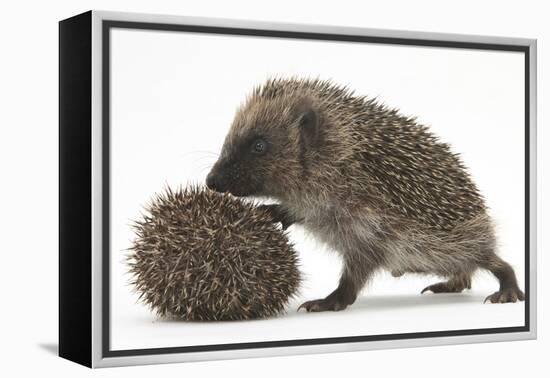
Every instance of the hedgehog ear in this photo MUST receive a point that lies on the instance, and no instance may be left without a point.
(308, 122)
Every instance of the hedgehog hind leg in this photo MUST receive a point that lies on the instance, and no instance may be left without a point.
(509, 290)
(456, 284)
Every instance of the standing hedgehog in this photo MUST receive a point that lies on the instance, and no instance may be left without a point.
(373, 184)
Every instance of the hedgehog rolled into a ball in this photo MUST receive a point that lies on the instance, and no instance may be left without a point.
(202, 255)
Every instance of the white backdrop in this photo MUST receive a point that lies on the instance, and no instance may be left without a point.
(173, 98)
(29, 161)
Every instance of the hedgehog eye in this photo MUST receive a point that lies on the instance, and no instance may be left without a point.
(259, 146)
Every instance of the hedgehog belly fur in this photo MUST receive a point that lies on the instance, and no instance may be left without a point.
(367, 238)
(445, 253)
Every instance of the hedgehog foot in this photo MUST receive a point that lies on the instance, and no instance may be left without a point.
(442, 287)
(454, 285)
(279, 215)
(512, 294)
(327, 304)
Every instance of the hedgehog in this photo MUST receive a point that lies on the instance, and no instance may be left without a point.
(371, 183)
(199, 255)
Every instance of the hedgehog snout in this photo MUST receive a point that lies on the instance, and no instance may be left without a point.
(222, 176)
(216, 181)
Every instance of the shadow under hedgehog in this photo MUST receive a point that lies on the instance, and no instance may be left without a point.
(372, 184)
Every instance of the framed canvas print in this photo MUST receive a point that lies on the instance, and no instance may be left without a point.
(234, 189)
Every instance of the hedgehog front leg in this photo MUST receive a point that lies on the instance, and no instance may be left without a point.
(352, 281)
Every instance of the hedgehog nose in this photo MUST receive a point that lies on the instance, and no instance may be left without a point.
(213, 182)
(210, 182)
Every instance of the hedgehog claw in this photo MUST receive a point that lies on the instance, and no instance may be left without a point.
(510, 295)
(454, 285)
(303, 305)
(443, 287)
(318, 305)
(279, 215)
